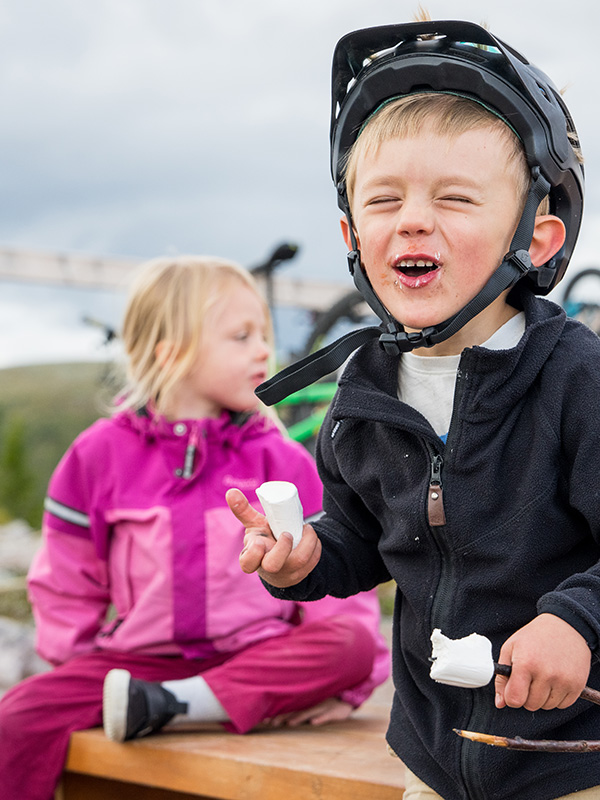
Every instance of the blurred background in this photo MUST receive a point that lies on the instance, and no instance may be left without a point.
(136, 128)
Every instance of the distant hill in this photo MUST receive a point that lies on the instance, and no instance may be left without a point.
(42, 409)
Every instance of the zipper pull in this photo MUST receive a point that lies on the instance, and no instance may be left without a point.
(190, 454)
(435, 501)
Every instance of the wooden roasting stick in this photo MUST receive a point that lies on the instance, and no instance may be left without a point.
(546, 745)
(538, 745)
(468, 663)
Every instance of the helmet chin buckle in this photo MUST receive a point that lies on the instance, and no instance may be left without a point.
(395, 342)
(354, 261)
(521, 260)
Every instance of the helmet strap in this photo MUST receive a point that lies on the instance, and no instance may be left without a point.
(514, 266)
(392, 336)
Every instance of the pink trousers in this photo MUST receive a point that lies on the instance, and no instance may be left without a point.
(305, 666)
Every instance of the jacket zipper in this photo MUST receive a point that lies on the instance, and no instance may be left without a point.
(190, 454)
(477, 715)
(443, 595)
(436, 514)
(471, 775)
(436, 518)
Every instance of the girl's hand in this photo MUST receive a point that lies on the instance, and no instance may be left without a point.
(274, 560)
(331, 710)
(550, 666)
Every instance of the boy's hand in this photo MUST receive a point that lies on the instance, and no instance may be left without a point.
(550, 666)
(274, 560)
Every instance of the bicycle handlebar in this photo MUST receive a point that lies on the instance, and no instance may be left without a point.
(284, 252)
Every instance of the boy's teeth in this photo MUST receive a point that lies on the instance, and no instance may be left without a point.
(409, 262)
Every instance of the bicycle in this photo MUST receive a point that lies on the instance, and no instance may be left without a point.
(578, 298)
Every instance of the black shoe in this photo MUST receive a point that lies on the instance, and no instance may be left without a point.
(133, 708)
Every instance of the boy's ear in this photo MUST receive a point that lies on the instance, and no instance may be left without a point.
(346, 234)
(548, 237)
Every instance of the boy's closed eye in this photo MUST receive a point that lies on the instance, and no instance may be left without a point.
(382, 201)
(458, 199)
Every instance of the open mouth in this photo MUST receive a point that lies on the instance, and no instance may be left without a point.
(416, 272)
(415, 268)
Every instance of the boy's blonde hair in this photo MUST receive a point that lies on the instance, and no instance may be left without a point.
(168, 302)
(447, 115)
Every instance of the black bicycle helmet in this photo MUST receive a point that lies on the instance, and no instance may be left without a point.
(375, 65)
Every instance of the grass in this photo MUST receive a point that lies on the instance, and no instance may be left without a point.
(52, 403)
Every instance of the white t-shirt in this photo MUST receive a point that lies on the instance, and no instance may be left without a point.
(427, 382)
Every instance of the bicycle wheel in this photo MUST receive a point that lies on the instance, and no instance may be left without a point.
(349, 312)
(581, 298)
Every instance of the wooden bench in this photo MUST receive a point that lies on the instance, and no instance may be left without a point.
(341, 761)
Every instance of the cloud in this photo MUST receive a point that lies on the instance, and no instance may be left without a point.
(141, 127)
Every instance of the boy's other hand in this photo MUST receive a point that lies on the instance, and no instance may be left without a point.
(550, 666)
(274, 560)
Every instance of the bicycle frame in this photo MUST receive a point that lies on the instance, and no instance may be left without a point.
(318, 394)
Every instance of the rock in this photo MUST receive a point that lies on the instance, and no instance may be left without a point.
(18, 658)
(18, 544)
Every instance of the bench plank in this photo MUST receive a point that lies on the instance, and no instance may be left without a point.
(342, 761)
(86, 787)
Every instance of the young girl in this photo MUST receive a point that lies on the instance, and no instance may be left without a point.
(138, 576)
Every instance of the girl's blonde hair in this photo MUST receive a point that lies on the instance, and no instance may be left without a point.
(168, 302)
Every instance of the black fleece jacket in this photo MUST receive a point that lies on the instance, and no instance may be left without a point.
(518, 535)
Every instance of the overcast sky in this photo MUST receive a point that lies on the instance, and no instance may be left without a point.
(145, 127)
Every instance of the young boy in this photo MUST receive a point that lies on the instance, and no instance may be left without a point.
(460, 457)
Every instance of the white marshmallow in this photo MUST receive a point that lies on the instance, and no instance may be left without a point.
(463, 662)
(282, 508)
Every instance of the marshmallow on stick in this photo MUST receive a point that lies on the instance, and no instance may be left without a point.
(282, 508)
(468, 663)
(463, 662)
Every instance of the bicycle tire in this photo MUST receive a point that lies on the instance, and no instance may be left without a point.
(585, 311)
(351, 307)
(588, 272)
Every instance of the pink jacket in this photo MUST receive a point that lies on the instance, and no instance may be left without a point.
(140, 551)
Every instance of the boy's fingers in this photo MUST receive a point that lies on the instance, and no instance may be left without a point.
(278, 555)
(263, 554)
(501, 681)
(523, 690)
(245, 513)
(514, 693)
(284, 567)
(255, 549)
(499, 685)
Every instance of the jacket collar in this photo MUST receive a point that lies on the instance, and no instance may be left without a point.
(229, 427)
(493, 378)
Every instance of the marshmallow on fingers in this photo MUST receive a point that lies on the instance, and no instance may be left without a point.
(282, 508)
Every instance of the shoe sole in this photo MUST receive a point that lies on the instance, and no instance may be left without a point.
(115, 702)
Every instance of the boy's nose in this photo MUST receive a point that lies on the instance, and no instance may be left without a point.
(414, 217)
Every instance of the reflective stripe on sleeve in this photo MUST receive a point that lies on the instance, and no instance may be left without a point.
(65, 512)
